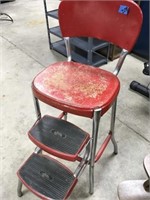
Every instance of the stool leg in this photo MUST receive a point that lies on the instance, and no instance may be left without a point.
(38, 150)
(65, 117)
(37, 107)
(19, 192)
(112, 127)
(96, 121)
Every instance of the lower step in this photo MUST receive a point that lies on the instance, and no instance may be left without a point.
(46, 177)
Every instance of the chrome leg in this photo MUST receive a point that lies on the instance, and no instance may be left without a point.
(37, 150)
(65, 116)
(83, 162)
(96, 120)
(19, 192)
(37, 107)
(112, 127)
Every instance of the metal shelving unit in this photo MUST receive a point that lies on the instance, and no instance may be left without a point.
(84, 50)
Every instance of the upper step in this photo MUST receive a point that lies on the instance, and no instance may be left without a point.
(59, 137)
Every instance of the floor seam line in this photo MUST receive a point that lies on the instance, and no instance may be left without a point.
(22, 51)
(134, 131)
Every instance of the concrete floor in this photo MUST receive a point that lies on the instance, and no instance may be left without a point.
(24, 52)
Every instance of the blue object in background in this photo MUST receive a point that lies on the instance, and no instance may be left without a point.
(141, 47)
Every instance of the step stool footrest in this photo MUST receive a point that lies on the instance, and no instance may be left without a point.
(59, 137)
(46, 177)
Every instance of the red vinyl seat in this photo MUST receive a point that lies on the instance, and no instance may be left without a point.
(76, 88)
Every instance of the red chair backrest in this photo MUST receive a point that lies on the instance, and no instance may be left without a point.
(102, 20)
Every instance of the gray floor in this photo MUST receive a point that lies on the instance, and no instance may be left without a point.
(24, 52)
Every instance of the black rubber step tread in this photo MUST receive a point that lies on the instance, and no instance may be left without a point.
(59, 135)
(46, 177)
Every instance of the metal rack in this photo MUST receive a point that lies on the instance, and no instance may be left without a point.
(84, 50)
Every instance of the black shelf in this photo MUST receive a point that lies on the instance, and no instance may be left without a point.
(81, 56)
(53, 14)
(84, 44)
(81, 42)
(78, 55)
(59, 46)
(56, 31)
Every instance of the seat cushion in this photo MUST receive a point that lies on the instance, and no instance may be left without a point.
(76, 88)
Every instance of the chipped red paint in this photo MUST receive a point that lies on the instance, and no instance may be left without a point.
(79, 87)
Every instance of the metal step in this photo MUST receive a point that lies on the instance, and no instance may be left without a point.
(46, 177)
(59, 137)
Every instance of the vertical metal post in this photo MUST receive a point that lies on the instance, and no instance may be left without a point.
(38, 114)
(120, 62)
(37, 150)
(19, 192)
(47, 24)
(96, 121)
(37, 107)
(112, 126)
(108, 52)
(89, 57)
(65, 116)
(68, 48)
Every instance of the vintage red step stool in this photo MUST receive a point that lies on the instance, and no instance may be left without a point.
(78, 89)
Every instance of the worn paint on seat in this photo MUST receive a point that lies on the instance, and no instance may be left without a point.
(76, 85)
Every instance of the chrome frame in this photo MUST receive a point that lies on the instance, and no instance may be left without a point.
(96, 122)
(37, 107)
(112, 126)
(85, 159)
(68, 48)
(120, 62)
(37, 150)
(65, 116)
